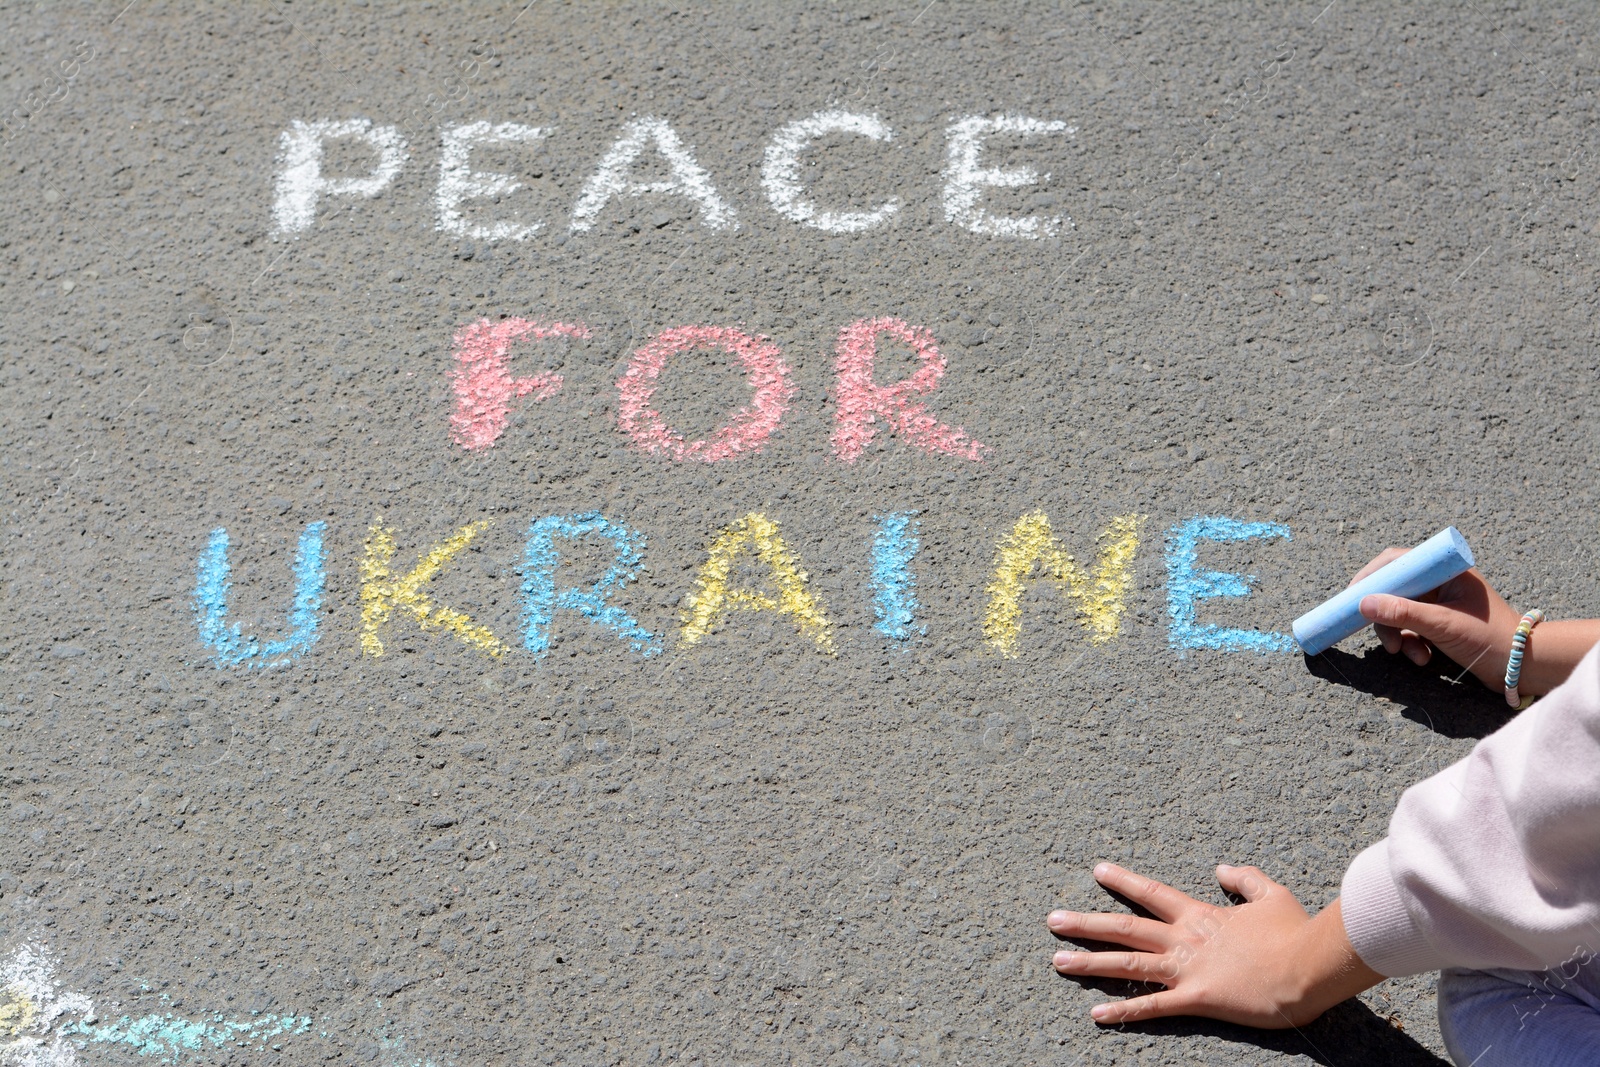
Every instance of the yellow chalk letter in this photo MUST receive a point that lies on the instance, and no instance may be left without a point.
(1099, 596)
(712, 597)
(382, 592)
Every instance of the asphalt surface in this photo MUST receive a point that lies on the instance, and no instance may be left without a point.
(1329, 267)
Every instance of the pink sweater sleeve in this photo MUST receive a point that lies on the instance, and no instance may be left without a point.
(1495, 860)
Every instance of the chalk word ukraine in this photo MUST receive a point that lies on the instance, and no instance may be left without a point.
(300, 185)
(754, 543)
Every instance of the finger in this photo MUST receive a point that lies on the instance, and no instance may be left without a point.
(1382, 559)
(1416, 649)
(1160, 900)
(1426, 620)
(1147, 935)
(1389, 636)
(1153, 1006)
(1129, 966)
(1248, 882)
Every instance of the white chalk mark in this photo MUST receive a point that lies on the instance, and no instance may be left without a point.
(1457, 679)
(965, 180)
(458, 181)
(1474, 263)
(780, 171)
(521, 13)
(35, 1001)
(664, 271)
(269, 266)
(1074, 263)
(613, 177)
(300, 183)
(923, 12)
(123, 12)
(1324, 11)
(130, 404)
(1502, 34)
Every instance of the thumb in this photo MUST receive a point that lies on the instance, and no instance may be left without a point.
(1429, 620)
(1248, 882)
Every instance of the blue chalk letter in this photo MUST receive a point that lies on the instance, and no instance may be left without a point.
(894, 599)
(229, 648)
(541, 599)
(1185, 586)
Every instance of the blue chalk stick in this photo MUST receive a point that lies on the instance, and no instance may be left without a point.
(1428, 566)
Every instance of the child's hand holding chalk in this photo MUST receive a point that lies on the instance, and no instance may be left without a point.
(1464, 618)
(1472, 624)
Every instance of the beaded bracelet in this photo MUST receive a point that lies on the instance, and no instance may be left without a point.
(1519, 644)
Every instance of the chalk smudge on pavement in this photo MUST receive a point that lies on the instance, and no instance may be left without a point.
(31, 1000)
(169, 1038)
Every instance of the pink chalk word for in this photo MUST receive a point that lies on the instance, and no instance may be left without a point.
(485, 389)
(482, 378)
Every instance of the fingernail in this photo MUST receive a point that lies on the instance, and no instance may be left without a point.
(1101, 870)
(1063, 959)
(1224, 866)
(1058, 917)
(1100, 1012)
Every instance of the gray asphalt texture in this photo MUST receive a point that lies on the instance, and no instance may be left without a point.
(1331, 267)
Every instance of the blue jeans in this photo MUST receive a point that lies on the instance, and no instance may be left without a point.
(1523, 1018)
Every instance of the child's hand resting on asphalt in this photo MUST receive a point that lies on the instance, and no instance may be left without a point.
(1472, 624)
(1263, 963)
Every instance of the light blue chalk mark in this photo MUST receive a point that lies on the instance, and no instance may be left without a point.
(395, 1055)
(894, 599)
(541, 600)
(229, 648)
(1186, 586)
(169, 1037)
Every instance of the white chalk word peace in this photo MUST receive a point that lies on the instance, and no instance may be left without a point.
(651, 144)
